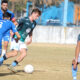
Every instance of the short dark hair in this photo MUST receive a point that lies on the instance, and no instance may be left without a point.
(6, 15)
(36, 10)
(4, 1)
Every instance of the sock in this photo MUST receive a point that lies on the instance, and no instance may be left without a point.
(14, 63)
(74, 73)
(3, 52)
(3, 58)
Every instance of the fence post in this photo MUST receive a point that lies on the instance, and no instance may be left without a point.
(65, 13)
(27, 8)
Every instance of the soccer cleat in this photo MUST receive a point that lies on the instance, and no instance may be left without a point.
(11, 68)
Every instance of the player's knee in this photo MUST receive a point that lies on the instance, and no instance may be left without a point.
(24, 54)
(15, 53)
(5, 45)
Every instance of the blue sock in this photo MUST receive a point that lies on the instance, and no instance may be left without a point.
(74, 73)
(14, 63)
(3, 58)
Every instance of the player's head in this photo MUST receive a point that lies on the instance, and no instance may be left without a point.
(35, 13)
(6, 15)
(4, 5)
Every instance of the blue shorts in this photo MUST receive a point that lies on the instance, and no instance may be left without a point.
(6, 37)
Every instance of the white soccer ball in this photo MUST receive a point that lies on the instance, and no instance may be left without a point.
(29, 68)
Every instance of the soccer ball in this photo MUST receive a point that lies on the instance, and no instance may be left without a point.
(29, 68)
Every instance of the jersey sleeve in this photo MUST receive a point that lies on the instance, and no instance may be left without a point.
(13, 27)
(12, 16)
(20, 21)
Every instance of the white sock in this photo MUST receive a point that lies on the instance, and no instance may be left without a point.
(3, 52)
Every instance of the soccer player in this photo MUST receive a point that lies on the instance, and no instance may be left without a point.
(25, 28)
(76, 60)
(6, 37)
(8, 26)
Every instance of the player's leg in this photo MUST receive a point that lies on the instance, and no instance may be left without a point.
(19, 58)
(10, 54)
(74, 64)
(74, 71)
(6, 38)
(23, 51)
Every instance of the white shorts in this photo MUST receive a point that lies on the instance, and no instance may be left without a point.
(17, 46)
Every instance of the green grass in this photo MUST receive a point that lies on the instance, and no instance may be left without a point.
(51, 62)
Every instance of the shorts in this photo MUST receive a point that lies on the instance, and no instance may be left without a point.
(6, 37)
(17, 46)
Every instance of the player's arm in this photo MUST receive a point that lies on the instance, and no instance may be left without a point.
(30, 35)
(30, 39)
(77, 52)
(16, 32)
(13, 19)
(18, 36)
(75, 61)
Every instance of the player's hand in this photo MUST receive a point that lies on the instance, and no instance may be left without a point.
(74, 64)
(16, 39)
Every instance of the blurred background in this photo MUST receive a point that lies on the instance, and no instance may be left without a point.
(59, 22)
(52, 10)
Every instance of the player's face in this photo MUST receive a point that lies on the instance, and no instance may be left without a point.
(4, 6)
(35, 16)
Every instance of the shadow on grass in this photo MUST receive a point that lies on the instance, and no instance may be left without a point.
(6, 74)
(10, 64)
(11, 73)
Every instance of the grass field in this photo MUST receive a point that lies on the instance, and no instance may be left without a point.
(51, 62)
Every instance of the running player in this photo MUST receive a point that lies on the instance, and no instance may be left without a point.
(25, 28)
(8, 26)
(6, 37)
